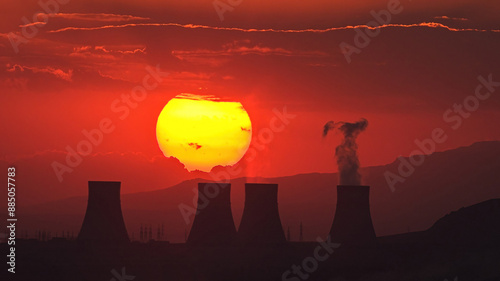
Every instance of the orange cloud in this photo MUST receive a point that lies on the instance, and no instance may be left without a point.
(243, 50)
(191, 76)
(134, 71)
(134, 51)
(106, 52)
(218, 57)
(197, 26)
(36, 23)
(50, 70)
(98, 17)
(451, 18)
(103, 17)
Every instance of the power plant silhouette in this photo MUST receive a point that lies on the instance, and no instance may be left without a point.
(213, 224)
(260, 223)
(352, 224)
(103, 220)
(215, 251)
(259, 250)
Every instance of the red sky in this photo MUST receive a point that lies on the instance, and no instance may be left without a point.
(66, 77)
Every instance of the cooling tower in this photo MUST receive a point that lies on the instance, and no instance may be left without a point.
(103, 220)
(260, 223)
(213, 224)
(352, 224)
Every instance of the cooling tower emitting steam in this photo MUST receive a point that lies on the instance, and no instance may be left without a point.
(347, 152)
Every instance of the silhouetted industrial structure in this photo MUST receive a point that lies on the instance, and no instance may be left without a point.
(260, 223)
(301, 233)
(352, 224)
(462, 237)
(141, 234)
(213, 223)
(103, 220)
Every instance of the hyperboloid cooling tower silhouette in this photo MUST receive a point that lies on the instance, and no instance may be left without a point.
(352, 224)
(213, 223)
(260, 223)
(103, 220)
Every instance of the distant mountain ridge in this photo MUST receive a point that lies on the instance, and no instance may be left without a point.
(445, 182)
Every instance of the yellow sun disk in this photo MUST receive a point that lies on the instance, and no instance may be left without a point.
(203, 133)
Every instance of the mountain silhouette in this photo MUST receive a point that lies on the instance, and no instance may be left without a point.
(445, 182)
(472, 225)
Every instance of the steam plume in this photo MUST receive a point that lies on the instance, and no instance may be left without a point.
(347, 152)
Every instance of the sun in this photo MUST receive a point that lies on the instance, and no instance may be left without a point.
(203, 131)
